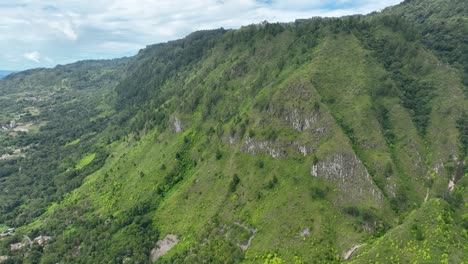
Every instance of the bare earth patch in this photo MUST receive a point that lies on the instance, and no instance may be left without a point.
(163, 246)
(17, 153)
(305, 232)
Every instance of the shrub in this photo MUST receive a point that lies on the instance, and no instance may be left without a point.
(352, 210)
(260, 164)
(271, 184)
(219, 154)
(234, 182)
(418, 233)
(318, 192)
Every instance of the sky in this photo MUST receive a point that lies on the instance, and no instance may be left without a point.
(44, 33)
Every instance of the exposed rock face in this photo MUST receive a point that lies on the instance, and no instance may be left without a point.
(350, 175)
(302, 120)
(163, 246)
(337, 167)
(299, 122)
(177, 125)
(275, 149)
(256, 147)
(304, 149)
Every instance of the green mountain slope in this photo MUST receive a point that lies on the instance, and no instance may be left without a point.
(318, 141)
(443, 27)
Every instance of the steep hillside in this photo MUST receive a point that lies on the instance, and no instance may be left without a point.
(443, 27)
(318, 141)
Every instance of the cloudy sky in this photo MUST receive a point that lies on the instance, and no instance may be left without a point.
(44, 33)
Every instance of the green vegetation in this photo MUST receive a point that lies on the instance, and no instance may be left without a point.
(74, 142)
(3, 228)
(274, 143)
(42, 170)
(85, 161)
(443, 30)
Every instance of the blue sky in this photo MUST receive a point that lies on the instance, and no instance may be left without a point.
(44, 33)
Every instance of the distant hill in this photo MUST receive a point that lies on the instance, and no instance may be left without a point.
(3, 74)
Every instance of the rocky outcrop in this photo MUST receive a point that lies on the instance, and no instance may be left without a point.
(300, 122)
(275, 149)
(42, 240)
(17, 246)
(305, 233)
(350, 175)
(256, 147)
(176, 125)
(307, 121)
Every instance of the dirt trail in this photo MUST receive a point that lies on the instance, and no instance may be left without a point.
(350, 252)
(427, 195)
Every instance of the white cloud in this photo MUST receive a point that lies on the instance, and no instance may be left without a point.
(65, 27)
(33, 56)
(72, 30)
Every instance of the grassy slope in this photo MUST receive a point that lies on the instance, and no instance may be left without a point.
(428, 235)
(279, 233)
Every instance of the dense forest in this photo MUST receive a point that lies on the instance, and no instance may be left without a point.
(323, 140)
